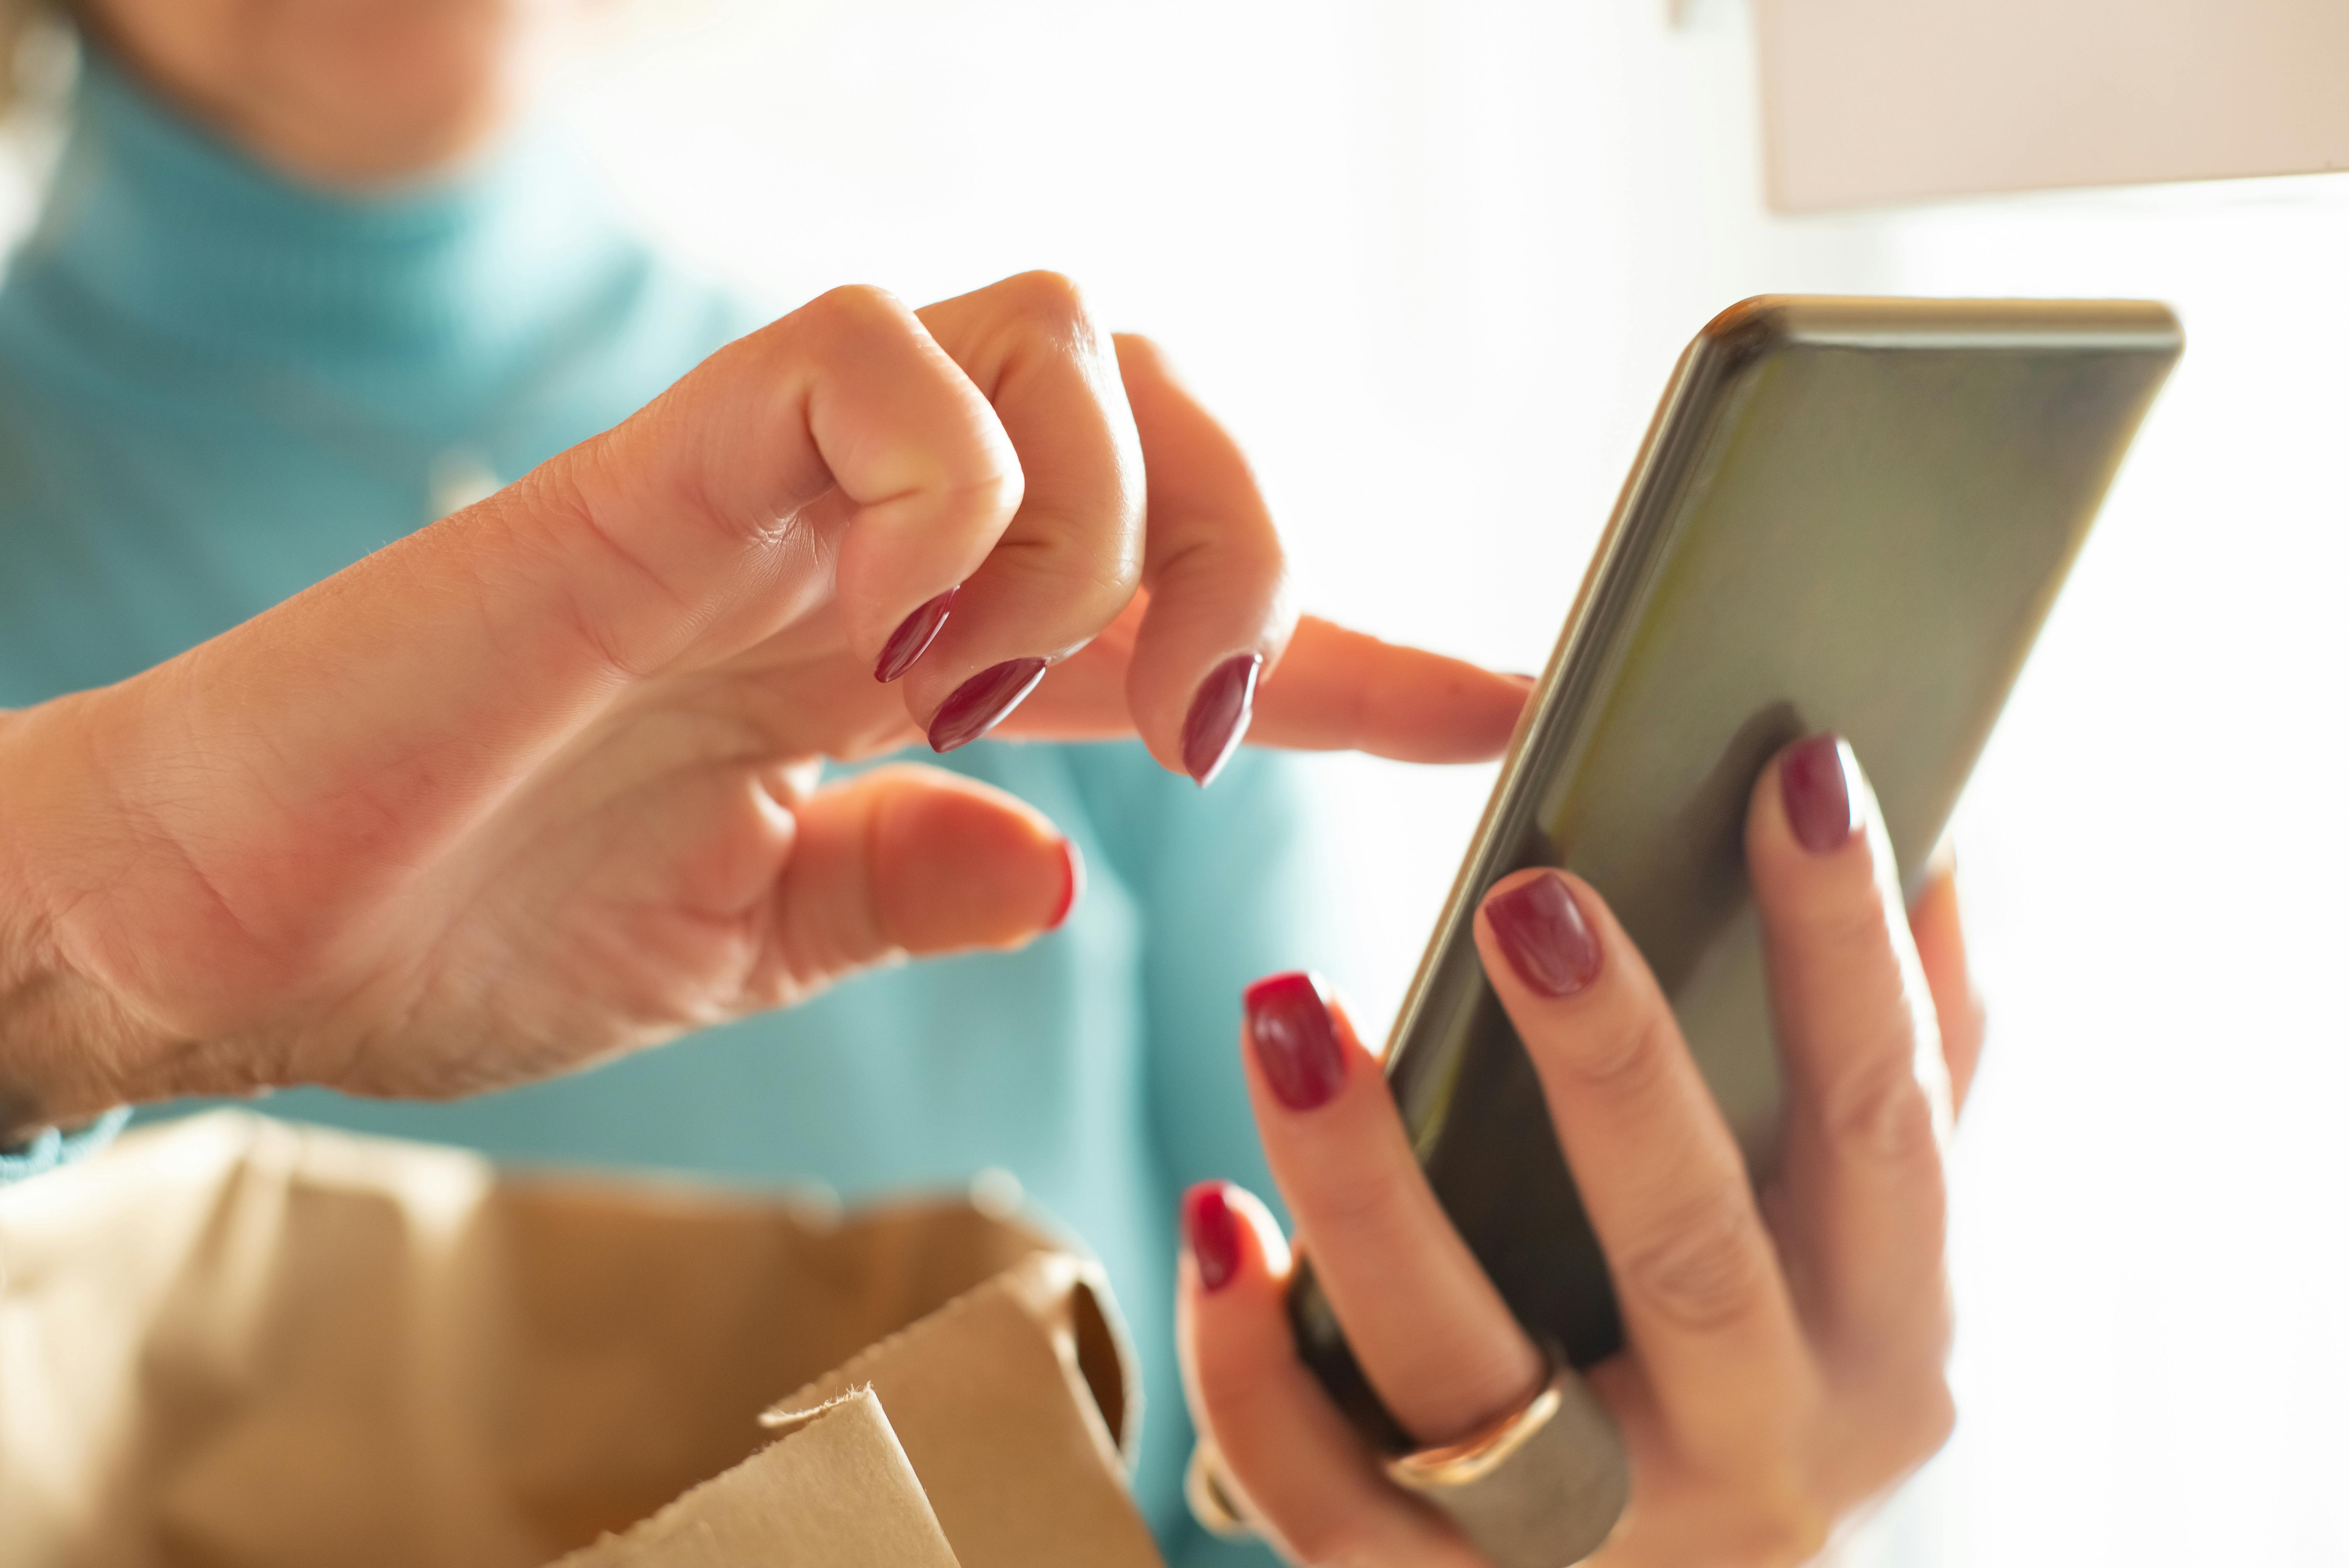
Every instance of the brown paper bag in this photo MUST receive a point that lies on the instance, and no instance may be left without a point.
(241, 1343)
(835, 1491)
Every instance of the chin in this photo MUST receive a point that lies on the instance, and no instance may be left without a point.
(380, 90)
(340, 92)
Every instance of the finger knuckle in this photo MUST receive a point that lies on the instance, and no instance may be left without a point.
(1047, 300)
(1851, 923)
(1356, 1196)
(853, 308)
(1707, 1268)
(1880, 1111)
(1622, 1060)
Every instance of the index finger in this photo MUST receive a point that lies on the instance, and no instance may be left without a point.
(1334, 690)
(1342, 690)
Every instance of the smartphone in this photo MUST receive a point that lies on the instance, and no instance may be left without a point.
(1848, 515)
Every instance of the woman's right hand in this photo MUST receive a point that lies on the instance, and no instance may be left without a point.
(537, 784)
(1783, 1363)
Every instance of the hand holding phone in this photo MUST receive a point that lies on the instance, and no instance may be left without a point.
(1785, 1354)
(1850, 517)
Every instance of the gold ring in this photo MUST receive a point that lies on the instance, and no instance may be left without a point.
(1474, 1457)
(1539, 1488)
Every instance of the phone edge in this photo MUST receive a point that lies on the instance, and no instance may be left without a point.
(1732, 340)
(1608, 593)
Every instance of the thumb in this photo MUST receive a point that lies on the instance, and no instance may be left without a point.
(907, 861)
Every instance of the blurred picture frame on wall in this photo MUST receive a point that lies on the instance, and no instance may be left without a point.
(1868, 103)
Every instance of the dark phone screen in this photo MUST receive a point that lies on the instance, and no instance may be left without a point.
(1850, 515)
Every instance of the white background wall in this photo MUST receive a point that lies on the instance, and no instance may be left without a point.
(1433, 258)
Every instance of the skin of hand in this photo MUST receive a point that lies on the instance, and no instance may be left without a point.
(1784, 1356)
(536, 785)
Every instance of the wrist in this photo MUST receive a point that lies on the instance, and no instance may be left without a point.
(64, 1041)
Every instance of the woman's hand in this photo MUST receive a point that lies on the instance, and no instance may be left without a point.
(537, 784)
(1785, 1355)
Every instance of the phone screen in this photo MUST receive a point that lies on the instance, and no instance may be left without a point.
(1849, 515)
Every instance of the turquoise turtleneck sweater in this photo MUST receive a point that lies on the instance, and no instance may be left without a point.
(217, 387)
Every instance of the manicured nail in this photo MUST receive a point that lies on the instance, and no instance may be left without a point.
(1219, 715)
(913, 638)
(1821, 804)
(1213, 1231)
(1295, 1040)
(1541, 929)
(979, 703)
(1073, 884)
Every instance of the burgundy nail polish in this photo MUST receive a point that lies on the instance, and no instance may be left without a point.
(979, 703)
(1821, 805)
(1073, 884)
(913, 638)
(1295, 1040)
(1219, 715)
(1213, 1233)
(1541, 930)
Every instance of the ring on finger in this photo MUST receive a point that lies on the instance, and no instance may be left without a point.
(1541, 1486)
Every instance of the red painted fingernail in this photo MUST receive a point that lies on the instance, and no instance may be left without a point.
(1821, 805)
(1072, 885)
(913, 638)
(1295, 1040)
(1219, 715)
(979, 703)
(1541, 929)
(1213, 1231)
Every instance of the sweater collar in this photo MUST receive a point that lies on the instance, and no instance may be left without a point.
(163, 222)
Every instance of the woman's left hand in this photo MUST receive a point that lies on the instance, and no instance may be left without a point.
(539, 784)
(1785, 1350)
